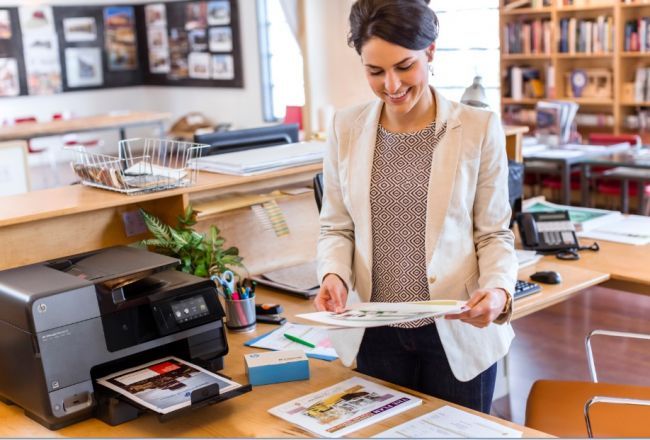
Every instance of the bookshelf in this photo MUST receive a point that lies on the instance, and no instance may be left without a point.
(532, 60)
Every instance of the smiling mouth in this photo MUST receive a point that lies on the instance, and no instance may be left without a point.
(398, 95)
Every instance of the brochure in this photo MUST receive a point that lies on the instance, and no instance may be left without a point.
(345, 407)
(450, 422)
(377, 314)
(164, 385)
(317, 336)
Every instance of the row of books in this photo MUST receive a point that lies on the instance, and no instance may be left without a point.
(587, 35)
(518, 115)
(637, 35)
(528, 82)
(528, 37)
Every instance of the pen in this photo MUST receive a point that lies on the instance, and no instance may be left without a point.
(298, 340)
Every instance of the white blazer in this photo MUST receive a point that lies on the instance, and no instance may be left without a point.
(468, 243)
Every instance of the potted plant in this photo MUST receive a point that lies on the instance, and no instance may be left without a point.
(201, 255)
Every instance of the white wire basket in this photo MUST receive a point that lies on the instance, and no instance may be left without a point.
(142, 165)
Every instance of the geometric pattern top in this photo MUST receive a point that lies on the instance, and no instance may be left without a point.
(399, 182)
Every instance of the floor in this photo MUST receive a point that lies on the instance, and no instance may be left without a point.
(550, 344)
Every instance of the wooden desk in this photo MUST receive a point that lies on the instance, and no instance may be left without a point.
(628, 266)
(30, 130)
(514, 139)
(244, 416)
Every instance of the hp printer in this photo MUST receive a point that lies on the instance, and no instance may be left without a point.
(66, 322)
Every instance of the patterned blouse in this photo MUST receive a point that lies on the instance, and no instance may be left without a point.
(398, 202)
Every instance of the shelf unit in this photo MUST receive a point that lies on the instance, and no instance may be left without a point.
(622, 64)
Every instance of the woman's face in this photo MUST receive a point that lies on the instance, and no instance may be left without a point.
(398, 76)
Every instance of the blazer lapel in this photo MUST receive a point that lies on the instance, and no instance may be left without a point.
(361, 152)
(443, 171)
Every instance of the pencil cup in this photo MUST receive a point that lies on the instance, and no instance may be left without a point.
(240, 314)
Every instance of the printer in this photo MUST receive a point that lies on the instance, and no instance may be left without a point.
(66, 322)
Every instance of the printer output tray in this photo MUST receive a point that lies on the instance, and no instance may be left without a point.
(115, 409)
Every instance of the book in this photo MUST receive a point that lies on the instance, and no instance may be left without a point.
(377, 314)
(450, 422)
(345, 407)
(164, 385)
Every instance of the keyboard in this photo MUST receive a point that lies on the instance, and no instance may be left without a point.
(525, 288)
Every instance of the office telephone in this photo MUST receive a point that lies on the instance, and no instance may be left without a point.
(547, 231)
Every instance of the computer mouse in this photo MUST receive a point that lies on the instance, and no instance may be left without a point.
(547, 277)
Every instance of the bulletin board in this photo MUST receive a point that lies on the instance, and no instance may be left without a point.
(46, 50)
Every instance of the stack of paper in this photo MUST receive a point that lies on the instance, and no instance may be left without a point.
(633, 229)
(260, 160)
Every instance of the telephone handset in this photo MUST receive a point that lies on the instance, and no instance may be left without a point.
(547, 231)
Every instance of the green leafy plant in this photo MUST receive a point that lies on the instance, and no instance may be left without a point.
(201, 255)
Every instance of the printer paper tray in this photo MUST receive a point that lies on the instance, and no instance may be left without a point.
(114, 408)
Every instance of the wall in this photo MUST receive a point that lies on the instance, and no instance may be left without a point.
(242, 107)
(336, 74)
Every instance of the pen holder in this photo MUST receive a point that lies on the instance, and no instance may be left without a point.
(240, 314)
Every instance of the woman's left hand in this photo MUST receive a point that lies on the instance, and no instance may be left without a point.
(484, 306)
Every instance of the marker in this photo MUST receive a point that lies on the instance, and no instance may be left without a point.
(298, 340)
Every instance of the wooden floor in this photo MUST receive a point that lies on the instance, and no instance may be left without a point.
(550, 344)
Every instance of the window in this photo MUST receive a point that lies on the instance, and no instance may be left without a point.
(281, 61)
(468, 45)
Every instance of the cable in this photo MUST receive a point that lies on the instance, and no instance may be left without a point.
(572, 254)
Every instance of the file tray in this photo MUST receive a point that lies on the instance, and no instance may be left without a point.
(114, 409)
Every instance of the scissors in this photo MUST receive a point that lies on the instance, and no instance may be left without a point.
(227, 280)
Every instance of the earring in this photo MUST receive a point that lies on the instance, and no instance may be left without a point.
(431, 69)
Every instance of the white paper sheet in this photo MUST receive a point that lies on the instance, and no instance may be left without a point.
(633, 229)
(450, 422)
(365, 315)
(316, 335)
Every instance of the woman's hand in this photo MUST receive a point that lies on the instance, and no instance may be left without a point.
(485, 305)
(332, 295)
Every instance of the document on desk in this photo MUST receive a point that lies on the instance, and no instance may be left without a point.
(450, 422)
(164, 385)
(317, 336)
(377, 314)
(632, 229)
(345, 407)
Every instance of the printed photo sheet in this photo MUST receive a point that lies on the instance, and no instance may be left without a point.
(164, 385)
(345, 407)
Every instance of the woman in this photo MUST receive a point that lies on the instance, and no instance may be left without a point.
(415, 208)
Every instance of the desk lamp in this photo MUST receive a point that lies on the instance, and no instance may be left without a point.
(475, 94)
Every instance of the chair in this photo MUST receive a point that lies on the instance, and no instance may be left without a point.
(581, 409)
(318, 190)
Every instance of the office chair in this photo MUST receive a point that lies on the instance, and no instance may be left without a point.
(581, 409)
(318, 190)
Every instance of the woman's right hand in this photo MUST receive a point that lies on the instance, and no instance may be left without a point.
(332, 296)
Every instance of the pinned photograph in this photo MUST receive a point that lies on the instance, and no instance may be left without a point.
(223, 67)
(178, 50)
(157, 39)
(9, 84)
(77, 29)
(195, 15)
(220, 39)
(218, 13)
(159, 61)
(83, 66)
(198, 40)
(36, 19)
(119, 23)
(5, 24)
(155, 15)
(199, 64)
(41, 55)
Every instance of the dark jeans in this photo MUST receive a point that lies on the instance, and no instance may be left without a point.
(414, 358)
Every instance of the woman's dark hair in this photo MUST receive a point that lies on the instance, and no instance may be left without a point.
(408, 23)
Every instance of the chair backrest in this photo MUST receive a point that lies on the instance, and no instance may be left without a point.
(318, 190)
(612, 139)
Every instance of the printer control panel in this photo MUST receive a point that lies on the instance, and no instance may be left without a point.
(186, 310)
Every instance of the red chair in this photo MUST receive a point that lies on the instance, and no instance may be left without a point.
(293, 115)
